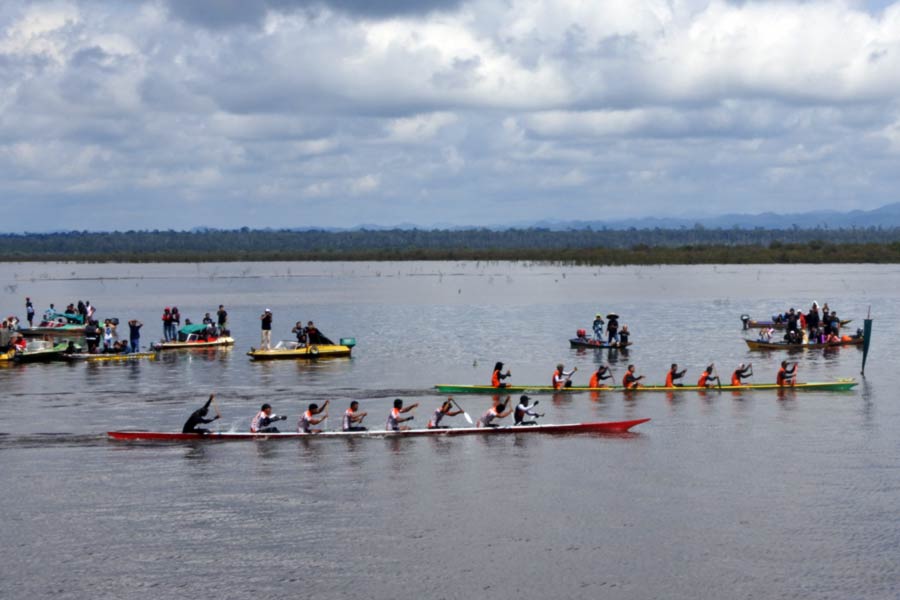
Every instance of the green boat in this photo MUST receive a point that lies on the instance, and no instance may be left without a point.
(839, 385)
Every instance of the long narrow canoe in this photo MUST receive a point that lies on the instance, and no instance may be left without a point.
(757, 345)
(840, 385)
(123, 357)
(193, 344)
(161, 436)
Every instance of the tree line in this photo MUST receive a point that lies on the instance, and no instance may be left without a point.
(632, 246)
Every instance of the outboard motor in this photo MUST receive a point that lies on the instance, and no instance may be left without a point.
(745, 319)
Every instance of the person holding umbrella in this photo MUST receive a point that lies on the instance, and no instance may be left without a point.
(612, 328)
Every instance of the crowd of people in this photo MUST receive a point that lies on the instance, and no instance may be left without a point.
(807, 328)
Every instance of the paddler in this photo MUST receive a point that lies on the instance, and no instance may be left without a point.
(197, 418)
(351, 416)
(497, 411)
(561, 377)
(524, 410)
(262, 422)
(445, 410)
(707, 379)
(602, 373)
(630, 380)
(498, 376)
(394, 419)
(674, 374)
(742, 372)
(786, 374)
(307, 419)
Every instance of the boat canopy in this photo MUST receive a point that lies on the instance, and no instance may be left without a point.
(189, 329)
(73, 318)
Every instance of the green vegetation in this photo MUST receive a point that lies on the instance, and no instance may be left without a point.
(606, 247)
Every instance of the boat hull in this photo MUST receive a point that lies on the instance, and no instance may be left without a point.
(757, 345)
(595, 344)
(568, 428)
(841, 385)
(125, 357)
(64, 331)
(312, 352)
(217, 343)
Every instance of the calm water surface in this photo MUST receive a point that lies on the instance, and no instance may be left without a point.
(755, 495)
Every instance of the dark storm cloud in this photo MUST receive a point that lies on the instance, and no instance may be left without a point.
(229, 13)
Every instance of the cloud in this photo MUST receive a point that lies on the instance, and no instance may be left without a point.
(445, 111)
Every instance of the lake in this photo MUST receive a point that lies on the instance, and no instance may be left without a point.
(721, 495)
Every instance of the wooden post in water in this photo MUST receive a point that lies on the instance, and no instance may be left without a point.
(867, 338)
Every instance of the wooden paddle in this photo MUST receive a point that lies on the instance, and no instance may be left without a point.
(718, 380)
(215, 406)
(465, 414)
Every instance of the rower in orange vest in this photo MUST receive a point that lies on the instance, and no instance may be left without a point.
(786, 375)
(707, 377)
(600, 375)
(674, 374)
(630, 381)
(742, 372)
(562, 378)
(498, 376)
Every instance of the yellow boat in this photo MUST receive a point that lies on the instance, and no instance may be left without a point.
(289, 349)
(123, 357)
(8, 355)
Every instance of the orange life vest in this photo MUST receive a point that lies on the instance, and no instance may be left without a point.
(495, 378)
(702, 381)
(669, 381)
(595, 381)
(735, 380)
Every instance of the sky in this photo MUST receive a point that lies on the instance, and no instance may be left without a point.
(169, 114)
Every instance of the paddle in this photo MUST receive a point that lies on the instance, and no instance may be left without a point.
(718, 381)
(465, 414)
(215, 405)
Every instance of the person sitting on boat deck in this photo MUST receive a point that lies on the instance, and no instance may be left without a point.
(630, 380)
(300, 332)
(793, 337)
(674, 374)
(351, 416)
(834, 324)
(49, 313)
(307, 419)
(497, 411)
(832, 338)
(707, 379)
(71, 348)
(742, 372)
(20, 343)
(600, 375)
(523, 409)
(561, 378)
(612, 329)
(445, 410)
(786, 374)
(498, 376)
(597, 326)
(262, 422)
(197, 418)
(765, 335)
(394, 419)
(623, 336)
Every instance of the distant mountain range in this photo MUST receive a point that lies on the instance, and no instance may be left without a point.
(887, 216)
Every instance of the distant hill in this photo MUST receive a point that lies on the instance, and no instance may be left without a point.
(887, 216)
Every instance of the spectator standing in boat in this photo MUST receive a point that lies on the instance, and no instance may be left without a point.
(50, 313)
(262, 422)
(673, 375)
(265, 321)
(82, 310)
(176, 322)
(307, 419)
(742, 372)
(444, 410)
(597, 326)
(612, 329)
(793, 320)
(222, 318)
(134, 334)
(167, 324)
(394, 419)
(312, 334)
(812, 319)
(623, 336)
(89, 310)
(498, 376)
(198, 418)
(353, 418)
(109, 334)
(29, 312)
